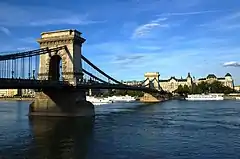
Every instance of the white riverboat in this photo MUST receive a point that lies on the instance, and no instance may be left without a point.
(98, 101)
(121, 98)
(202, 97)
(237, 98)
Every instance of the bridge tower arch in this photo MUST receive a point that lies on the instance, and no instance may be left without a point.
(70, 56)
(152, 81)
(55, 68)
(61, 102)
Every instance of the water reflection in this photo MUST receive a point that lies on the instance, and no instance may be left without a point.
(60, 137)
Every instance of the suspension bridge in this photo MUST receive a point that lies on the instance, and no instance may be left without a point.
(60, 74)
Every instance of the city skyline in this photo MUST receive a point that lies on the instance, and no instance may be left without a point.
(128, 38)
(183, 77)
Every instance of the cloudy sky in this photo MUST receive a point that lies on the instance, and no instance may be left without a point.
(127, 38)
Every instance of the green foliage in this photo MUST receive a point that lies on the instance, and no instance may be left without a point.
(120, 93)
(216, 87)
(204, 87)
(135, 93)
(182, 90)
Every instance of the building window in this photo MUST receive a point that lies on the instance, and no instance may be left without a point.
(172, 85)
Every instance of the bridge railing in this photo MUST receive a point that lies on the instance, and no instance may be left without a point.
(23, 67)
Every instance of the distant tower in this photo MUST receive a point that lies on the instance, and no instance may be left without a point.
(152, 79)
(189, 79)
(229, 80)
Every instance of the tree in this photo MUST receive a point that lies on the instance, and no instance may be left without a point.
(186, 90)
(228, 90)
(213, 87)
(203, 87)
(195, 89)
(120, 92)
(216, 87)
(135, 93)
(179, 90)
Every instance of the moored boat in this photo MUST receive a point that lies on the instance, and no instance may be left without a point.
(237, 98)
(121, 98)
(202, 97)
(98, 101)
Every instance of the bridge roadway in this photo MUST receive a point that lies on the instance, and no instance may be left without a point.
(11, 83)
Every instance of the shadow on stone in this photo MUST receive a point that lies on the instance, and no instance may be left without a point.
(61, 103)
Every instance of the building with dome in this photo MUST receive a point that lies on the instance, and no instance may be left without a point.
(172, 83)
(227, 80)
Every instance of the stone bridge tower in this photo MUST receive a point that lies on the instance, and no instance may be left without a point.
(152, 81)
(69, 58)
(61, 102)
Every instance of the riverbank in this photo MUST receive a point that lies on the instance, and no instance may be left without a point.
(16, 99)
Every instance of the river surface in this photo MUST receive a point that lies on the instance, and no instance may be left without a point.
(169, 130)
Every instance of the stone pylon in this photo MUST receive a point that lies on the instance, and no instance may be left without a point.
(152, 81)
(67, 62)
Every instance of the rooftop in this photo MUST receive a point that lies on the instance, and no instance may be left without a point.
(61, 33)
(228, 74)
(63, 30)
(174, 78)
(151, 74)
(211, 76)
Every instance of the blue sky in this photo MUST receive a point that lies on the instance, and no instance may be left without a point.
(127, 38)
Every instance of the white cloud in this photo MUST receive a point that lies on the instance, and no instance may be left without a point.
(126, 59)
(225, 23)
(24, 48)
(159, 20)
(144, 29)
(5, 30)
(190, 13)
(150, 48)
(232, 64)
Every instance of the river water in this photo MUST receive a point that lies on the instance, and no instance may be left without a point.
(173, 129)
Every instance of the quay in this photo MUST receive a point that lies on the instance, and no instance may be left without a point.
(16, 99)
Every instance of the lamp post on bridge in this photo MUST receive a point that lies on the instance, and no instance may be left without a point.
(12, 74)
(33, 74)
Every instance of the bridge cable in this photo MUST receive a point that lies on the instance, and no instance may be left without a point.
(100, 71)
(95, 77)
(30, 53)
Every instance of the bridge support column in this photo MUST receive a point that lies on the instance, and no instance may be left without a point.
(149, 98)
(152, 80)
(69, 103)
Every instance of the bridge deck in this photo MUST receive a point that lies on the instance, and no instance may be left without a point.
(25, 65)
(45, 84)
